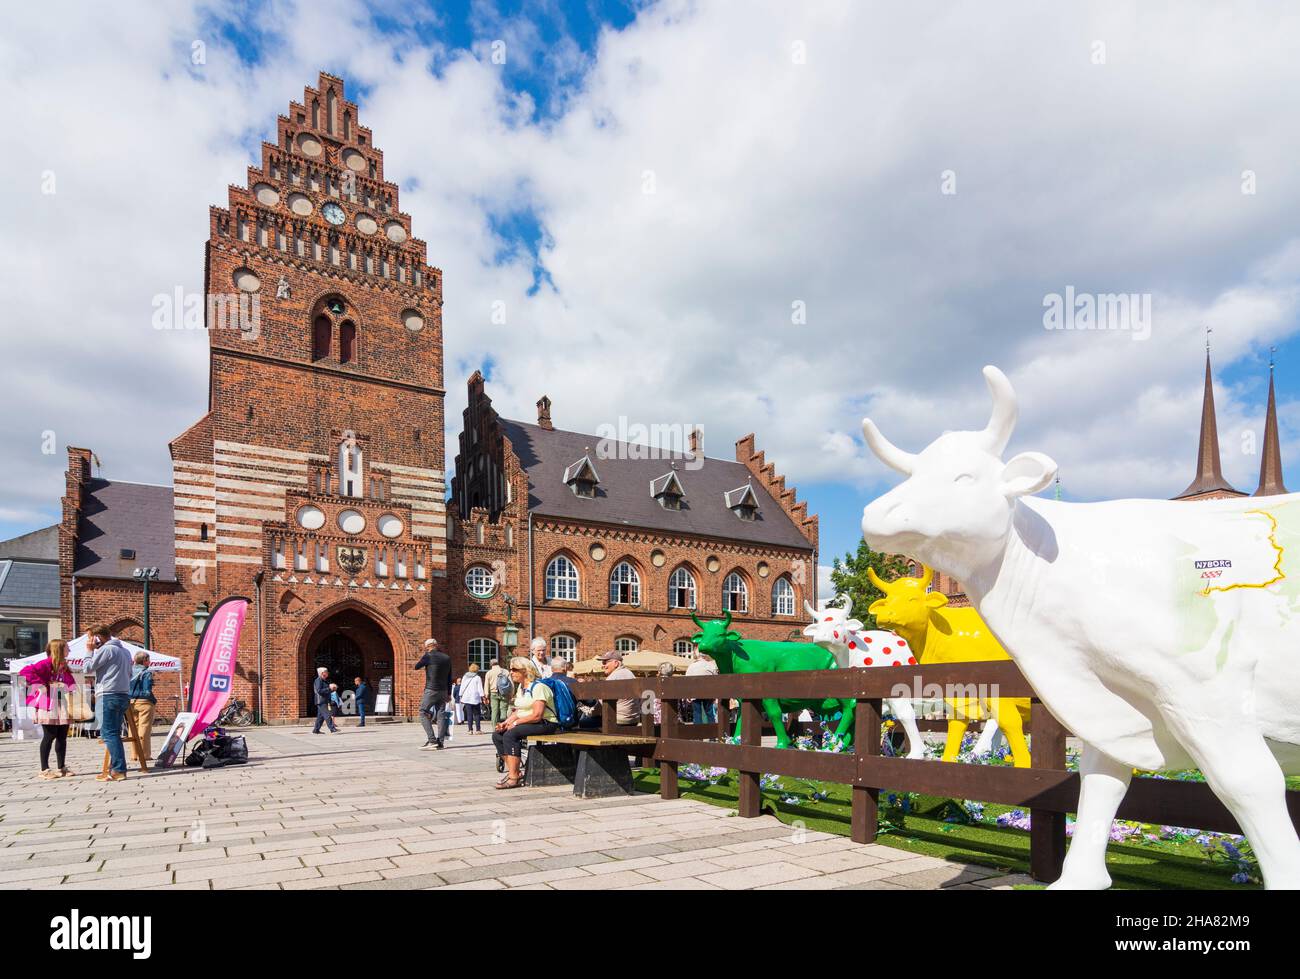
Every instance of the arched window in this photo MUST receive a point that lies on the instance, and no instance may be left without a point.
(683, 647)
(320, 342)
(350, 472)
(624, 585)
(565, 647)
(681, 589)
(562, 579)
(482, 652)
(782, 597)
(479, 581)
(347, 342)
(735, 594)
(627, 644)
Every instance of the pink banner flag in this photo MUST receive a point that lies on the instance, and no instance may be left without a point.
(214, 662)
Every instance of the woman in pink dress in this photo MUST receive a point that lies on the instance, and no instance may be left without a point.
(49, 684)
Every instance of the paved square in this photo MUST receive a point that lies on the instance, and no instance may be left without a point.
(368, 809)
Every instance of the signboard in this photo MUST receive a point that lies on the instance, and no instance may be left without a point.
(384, 699)
(176, 738)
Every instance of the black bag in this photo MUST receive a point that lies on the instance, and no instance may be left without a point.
(237, 753)
(201, 750)
(218, 751)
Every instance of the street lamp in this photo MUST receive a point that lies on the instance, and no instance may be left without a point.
(201, 618)
(510, 633)
(146, 575)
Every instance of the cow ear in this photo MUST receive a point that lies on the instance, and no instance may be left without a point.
(877, 606)
(810, 630)
(936, 599)
(854, 624)
(1026, 474)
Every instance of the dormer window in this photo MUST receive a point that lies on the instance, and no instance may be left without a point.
(742, 502)
(581, 477)
(667, 489)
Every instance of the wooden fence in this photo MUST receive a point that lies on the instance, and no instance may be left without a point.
(1046, 790)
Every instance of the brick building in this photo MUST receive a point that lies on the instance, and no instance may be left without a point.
(603, 544)
(315, 483)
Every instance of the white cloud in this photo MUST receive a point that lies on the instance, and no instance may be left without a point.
(773, 183)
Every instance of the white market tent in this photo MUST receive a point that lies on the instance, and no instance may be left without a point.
(77, 658)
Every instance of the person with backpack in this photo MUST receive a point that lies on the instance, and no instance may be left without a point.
(500, 692)
(534, 713)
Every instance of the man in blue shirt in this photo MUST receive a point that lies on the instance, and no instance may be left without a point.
(362, 695)
(110, 662)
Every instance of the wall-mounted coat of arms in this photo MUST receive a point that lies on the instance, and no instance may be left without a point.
(351, 559)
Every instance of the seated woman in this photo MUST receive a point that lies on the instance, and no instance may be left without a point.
(533, 713)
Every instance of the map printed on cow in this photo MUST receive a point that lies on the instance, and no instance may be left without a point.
(1240, 554)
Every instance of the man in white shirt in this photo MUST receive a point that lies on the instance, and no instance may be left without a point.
(706, 711)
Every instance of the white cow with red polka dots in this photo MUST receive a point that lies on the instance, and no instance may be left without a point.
(851, 645)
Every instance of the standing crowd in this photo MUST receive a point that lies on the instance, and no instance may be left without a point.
(123, 684)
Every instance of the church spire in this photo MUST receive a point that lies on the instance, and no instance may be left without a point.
(1270, 466)
(1209, 470)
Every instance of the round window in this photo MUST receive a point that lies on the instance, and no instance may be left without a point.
(246, 280)
(657, 558)
(351, 522)
(311, 518)
(389, 525)
(266, 194)
(479, 581)
(597, 552)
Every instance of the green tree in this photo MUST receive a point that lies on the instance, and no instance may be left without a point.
(849, 576)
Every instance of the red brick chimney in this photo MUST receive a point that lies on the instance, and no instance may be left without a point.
(697, 441)
(544, 413)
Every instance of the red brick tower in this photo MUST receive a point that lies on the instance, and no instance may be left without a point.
(320, 461)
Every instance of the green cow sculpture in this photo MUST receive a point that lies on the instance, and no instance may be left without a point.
(733, 654)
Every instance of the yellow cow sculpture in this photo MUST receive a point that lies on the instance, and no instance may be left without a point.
(954, 635)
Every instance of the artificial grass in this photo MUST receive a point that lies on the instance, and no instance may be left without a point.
(925, 829)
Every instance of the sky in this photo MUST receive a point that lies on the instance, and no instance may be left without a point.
(748, 216)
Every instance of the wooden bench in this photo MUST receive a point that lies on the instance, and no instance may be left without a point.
(594, 764)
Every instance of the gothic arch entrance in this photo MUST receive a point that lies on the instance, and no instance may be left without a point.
(349, 644)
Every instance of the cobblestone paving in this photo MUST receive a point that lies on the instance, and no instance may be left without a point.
(368, 809)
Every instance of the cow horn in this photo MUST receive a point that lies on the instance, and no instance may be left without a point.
(885, 450)
(727, 623)
(697, 621)
(812, 612)
(848, 603)
(927, 576)
(875, 578)
(1003, 420)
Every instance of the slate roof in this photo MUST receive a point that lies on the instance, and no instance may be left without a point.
(29, 584)
(623, 494)
(39, 545)
(117, 515)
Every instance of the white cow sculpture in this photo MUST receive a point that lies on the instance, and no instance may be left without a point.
(1163, 634)
(851, 645)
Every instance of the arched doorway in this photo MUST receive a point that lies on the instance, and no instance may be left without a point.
(349, 644)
